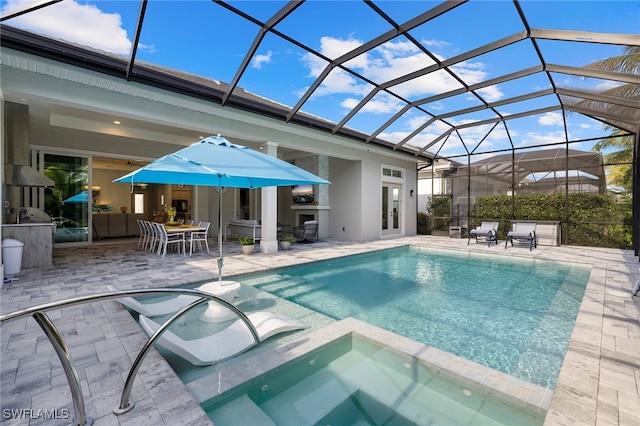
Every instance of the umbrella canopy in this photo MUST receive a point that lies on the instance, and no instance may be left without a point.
(214, 161)
(82, 197)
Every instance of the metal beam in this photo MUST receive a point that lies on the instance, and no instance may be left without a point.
(587, 37)
(585, 72)
(496, 104)
(414, 133)
(27, 9)
(136, 40)
(272, 22)
(397, 115)
(407, 26)
(510, 117)
(590, 112)
(354, 110)
(457, 59)
(435, 141)
(599, 97)
(389, 35)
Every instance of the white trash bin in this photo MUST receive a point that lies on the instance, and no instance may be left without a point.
(12, 256)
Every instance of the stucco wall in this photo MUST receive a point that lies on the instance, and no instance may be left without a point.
(115, 195)
(345, 199)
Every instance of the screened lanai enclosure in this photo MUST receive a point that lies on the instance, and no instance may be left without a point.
(513, 110)
(564, 191)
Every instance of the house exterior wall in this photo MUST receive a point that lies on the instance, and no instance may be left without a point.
(346, 197)
(80, 95)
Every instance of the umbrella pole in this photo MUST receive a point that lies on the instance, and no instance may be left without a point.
(220, 260)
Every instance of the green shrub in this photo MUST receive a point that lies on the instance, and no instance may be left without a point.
(439, 212)
(245, 241)
(594, 219)
(424, 227)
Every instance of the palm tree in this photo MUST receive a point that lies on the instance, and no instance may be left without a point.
(621, 141)
(620, 173)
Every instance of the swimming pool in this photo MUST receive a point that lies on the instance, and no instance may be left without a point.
(513, 315)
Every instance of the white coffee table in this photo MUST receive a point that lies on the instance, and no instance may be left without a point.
(226, 290)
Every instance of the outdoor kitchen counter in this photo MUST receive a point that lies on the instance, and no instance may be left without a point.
(38, 242)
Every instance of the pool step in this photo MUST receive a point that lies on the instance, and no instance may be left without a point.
(364, 389)
(308, 401)
(355, 390)
(240, 411)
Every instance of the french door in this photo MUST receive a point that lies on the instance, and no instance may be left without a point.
(391, 212)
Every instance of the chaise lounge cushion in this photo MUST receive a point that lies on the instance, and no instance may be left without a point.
(523, 231)
(231, 341)
(486, 230)
(157, 308)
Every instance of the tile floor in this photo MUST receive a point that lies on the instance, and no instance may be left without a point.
(599, 382)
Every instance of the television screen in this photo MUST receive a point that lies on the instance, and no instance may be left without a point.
(302, 194)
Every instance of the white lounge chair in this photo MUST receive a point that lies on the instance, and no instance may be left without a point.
(487, 230)
(229, 342)
(156, 309)
(523, 231)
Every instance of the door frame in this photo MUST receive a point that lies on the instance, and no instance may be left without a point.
(393, 178)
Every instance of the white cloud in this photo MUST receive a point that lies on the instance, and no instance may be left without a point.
(71, 21)
(606, 85)
(435, 82)
(536, 138)
(382, 104)
(491, 93)
(551, 119)
(333, 47)
(259, 60)
(434, 43)
(385, 63)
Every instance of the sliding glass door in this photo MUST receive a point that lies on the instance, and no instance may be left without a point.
(70, 201)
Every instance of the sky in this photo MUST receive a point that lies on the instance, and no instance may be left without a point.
(202, 38)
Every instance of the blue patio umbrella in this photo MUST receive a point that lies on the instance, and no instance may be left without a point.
(214, 161)
(82, 197)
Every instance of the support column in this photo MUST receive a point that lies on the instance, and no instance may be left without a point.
(269, 209)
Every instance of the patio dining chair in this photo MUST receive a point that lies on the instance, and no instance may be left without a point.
(142, 241)
(165, 240)
(152, 238)
(199, 237)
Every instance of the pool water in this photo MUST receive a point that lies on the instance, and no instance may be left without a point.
(354, 381)
(513, 315)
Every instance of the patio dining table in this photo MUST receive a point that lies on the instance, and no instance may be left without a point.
(187, 229)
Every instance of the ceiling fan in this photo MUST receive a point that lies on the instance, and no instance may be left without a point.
(133, 163)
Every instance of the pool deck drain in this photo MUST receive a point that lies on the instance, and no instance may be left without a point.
(599, 382)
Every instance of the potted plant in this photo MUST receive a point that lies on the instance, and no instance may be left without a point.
(285, 242)
(171, 214)
(247, 244)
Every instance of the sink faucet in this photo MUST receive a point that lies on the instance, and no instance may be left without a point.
(21, 210)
